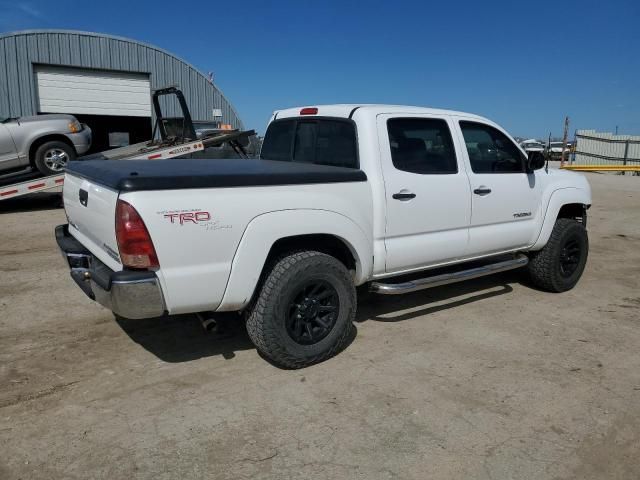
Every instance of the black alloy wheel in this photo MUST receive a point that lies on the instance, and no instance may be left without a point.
(570, 257)
(312, 312)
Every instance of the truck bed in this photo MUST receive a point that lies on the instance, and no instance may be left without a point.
(136, 175)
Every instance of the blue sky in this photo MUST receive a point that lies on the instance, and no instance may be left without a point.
(522, 64)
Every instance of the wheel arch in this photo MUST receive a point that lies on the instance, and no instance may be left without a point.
(271, 235)
(563, 203)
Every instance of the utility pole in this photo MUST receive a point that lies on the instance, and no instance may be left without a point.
(564, 140)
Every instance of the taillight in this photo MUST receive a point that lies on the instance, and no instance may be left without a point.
(134, 242)
(309, 111)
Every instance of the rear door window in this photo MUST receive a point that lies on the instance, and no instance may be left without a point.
(421, 145)
(321, 141)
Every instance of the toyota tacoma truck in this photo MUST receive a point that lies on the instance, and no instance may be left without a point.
(342, 196)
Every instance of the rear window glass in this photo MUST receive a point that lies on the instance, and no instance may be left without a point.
(278, 141)
(319, 141)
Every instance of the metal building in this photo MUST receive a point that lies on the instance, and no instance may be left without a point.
(105, 81)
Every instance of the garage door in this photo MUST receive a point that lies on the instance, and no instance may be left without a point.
(80, 91)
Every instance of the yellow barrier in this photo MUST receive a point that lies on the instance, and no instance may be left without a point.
(603, 168)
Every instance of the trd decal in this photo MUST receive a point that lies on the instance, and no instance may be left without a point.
(202, 218)
(188, 217)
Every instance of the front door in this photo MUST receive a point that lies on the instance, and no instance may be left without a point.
(505, 199)
(428, 206)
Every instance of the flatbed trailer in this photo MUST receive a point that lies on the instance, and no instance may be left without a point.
(184, 144)
(139, 151)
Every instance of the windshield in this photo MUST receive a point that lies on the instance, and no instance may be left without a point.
(556, 144)
(532, 145)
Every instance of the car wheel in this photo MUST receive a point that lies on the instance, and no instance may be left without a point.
(304, 311)
(51, 158)
(559, 265)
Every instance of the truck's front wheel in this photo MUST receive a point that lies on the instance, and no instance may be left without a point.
(559, 265)
(304, 310)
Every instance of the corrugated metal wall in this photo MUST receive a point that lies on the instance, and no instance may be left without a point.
(21, 50)
(595, 148)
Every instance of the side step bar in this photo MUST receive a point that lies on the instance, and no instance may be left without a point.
(518, 261)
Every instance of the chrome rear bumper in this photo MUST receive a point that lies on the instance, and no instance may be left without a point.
(128, 293)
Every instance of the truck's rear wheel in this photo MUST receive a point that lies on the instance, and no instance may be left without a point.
(51, 158)
(559, 265)
(304, 310)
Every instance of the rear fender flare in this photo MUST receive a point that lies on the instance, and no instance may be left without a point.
(263, 232)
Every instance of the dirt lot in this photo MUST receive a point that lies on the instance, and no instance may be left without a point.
(485, 380)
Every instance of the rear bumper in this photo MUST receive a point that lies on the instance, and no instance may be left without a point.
(128, 293)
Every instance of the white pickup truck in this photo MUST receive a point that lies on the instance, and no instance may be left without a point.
(342, 196)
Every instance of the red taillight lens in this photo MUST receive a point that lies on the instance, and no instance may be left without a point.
(309, 111)
(134, 242)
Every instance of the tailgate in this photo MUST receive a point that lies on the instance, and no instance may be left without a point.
(91, 211)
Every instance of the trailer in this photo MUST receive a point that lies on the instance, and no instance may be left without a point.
(177, 138)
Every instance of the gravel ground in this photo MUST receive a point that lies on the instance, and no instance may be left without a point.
(485, 380)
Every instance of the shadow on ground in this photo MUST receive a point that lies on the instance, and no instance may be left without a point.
(32, 202)
(396, 308)
(181, 338)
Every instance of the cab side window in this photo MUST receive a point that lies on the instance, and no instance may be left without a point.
(490, 150)
(421, 145)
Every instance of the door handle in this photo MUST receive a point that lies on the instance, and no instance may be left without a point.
(482, 191)
(403, 196)
(83, 196)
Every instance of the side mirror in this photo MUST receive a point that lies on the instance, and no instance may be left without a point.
(535, 161)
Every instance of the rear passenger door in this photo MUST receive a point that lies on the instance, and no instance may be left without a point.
(428, 205)
(505, 200)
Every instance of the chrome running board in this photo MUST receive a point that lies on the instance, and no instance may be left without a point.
(518, 261)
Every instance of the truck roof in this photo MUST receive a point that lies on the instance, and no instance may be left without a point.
(348, 110)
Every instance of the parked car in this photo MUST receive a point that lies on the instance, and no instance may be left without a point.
(533, 148)
(555, 150)
(532, 145)
(46, 143)
(342, 196)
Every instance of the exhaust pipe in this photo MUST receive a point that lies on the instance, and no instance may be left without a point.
(208, 322)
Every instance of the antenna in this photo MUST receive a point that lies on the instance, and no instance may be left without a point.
(546, 168)
(564, 140)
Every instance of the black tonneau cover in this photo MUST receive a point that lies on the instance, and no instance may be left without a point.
(134, 175)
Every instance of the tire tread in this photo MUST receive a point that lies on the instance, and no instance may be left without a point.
(542, 264)
(262, 332)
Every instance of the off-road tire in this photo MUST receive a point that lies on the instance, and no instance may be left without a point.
(545, 265)
(40, 160)
(266, 319)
